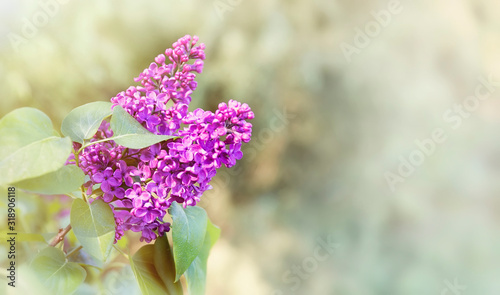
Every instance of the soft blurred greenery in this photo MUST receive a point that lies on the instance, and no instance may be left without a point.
(318, 172)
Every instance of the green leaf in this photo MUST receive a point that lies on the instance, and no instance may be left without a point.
(63, 181)
(196, 274)
(22, 127)
(128, 132)
(142, 264)
(188, 234)
(30, 147)
(94, 227)
(82, 122)
(56, 273)
(165, 266)
(214, 232)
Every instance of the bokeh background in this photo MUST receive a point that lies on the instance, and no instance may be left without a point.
(330, 123)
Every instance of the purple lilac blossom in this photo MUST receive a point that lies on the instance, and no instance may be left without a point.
(140, 185)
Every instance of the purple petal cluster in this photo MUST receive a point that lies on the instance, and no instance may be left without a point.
(140, 185)
(167, 84)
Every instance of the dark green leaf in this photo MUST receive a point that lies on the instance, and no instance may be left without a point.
(56, 273)
(63, 181)
(165, 266)
(188, 234)
(130, 133)
(142, 264)
(94, 227)
(196, 274)
(82, 122)
(30, 147)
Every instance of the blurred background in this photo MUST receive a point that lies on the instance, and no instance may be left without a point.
(348, 97)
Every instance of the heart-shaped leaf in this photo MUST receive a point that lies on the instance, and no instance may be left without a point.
(165, 266)
(143, 265)
(30, 147)
(63, 181)
(127, 131)
(56, 273)
(82, 122)
(189, 227)
(94, 227)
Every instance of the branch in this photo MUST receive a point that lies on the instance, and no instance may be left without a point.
(60, 236)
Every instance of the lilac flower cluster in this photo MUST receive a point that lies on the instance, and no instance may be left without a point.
(165, 84)
(140, 185)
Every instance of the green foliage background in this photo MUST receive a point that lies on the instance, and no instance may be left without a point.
(321, 172)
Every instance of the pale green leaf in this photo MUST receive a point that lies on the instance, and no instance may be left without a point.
(94, 227)
(63, 181)
(56, 273)
(29, 146)
(128, 132)
(214, 232)
(82, 122)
